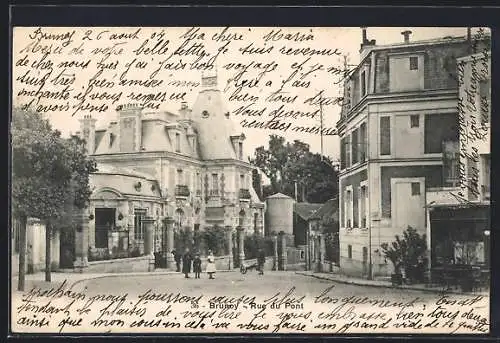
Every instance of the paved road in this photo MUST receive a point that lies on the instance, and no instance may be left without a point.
(234, 283)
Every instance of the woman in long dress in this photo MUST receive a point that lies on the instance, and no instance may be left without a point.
(210, 264)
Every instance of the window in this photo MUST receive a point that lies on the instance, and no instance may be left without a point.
(198, 183)
(215, 184)
(362, 142)
(242, 181)
(413, 63)
(414, 120)
(241, 218)
(348, 207)
(349, 251)
(354, 144)
(240, 150)
(342, 154)
(180, 177)
(415, 188)
(451, 166)
(363, 83)
(139, 215)
(363, 198)
(385, 135)
(439, 128)
(347, 147)
(177, 142)
(179, 218)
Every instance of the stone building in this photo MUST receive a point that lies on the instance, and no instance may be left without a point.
(398, 121)
(459, 218)
(183, 169)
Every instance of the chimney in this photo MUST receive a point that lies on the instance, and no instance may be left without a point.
(364, 39)
(406, 34)
(366, 43)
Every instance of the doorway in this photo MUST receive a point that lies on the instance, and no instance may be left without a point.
(104, 222)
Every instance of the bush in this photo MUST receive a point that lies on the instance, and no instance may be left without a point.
(255, 242)
(214, 238)
(408, 253)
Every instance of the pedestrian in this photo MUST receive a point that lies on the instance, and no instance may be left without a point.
(177, 259)
(210, 264)
(261, 259)
(197, 266)
(187, 259)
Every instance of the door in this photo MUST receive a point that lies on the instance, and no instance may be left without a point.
(104, 222)
(407, 203)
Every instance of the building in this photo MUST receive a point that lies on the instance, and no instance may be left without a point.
(35, 246)
(314, 224)
(399, 116)
(459, 217)
(187, 166)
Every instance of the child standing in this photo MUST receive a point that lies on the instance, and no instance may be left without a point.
(210, 264)
(197, 266)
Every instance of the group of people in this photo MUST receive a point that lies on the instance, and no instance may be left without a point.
(188, 260)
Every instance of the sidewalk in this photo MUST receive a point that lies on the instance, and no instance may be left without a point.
(382, 283)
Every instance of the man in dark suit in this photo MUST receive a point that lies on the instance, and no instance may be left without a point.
(187, 260)
(177, 259)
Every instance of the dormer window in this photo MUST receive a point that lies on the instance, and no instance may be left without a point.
(240, 150)
(205, 114)
(413, 63)
(177, 142)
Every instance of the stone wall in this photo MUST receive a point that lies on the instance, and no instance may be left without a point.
(122, 265)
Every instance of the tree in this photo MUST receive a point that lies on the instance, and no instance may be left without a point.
(407, 252)
(285, 163)
(45, 170)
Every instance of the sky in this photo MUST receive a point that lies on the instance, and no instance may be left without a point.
(347, 40)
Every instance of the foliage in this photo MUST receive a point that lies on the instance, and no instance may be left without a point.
(285, 163)
(406, 252)
(49, 174)
(215, 239)
(255, 242)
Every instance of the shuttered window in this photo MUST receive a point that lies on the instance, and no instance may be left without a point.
(385, 136)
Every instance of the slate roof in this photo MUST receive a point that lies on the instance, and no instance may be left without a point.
(330, 209)
(306, 210)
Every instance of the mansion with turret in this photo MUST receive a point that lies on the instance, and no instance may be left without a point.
(187, 167)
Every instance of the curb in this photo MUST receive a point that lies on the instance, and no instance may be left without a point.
(127, 274)
(357, 283)
(132, 274)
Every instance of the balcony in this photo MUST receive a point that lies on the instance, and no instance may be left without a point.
(214, 192)
(244, 194)
(182, 191)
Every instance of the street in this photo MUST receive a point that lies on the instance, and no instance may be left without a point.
(234, 283)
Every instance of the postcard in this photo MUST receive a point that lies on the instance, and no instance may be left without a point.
(331, 180)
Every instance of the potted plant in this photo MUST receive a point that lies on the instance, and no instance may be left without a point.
(395, 253)
(406, 253)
